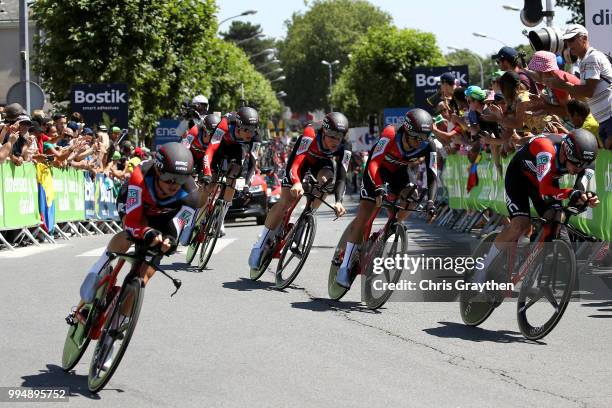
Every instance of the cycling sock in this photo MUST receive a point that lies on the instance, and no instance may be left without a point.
(348, 253)
(262, 238)
(481, 274)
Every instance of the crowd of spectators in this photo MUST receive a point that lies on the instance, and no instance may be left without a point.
(62, 141)
(524, 100)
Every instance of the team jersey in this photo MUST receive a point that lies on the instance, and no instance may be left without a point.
(539, 161)
(389, 153)
(225, 143)
(194, 141)
(142, 205)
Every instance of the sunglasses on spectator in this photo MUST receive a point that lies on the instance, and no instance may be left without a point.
(334, 134)
(169, 178)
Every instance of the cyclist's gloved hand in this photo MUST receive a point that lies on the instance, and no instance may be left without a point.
(593, 200)
(339, 209)
(297, 190)
(152, 237)
(380, 192)
(578, 202)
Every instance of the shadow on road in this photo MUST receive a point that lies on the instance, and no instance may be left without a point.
(478, 334)
(328, 305)
(181, 267)
(245, 285)
(600, 304)
(54, 376)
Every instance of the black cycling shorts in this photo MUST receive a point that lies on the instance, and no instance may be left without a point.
(519, 189)
(315, 168)
(227, 152)
(397, 182)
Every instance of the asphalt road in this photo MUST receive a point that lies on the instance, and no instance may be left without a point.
(224, 341)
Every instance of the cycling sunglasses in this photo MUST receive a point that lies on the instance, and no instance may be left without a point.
(170, 178)
(416, 135)
(334, 134)
(578, 163)
(248, 128)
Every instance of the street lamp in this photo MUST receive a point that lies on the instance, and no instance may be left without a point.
(281, 94)
(273, 61)
(511, 8)
(329, 65)
(477, 59)
(244, 13)
(274, 71)
(483, 35)
(267, 51)
(258, 35)
(280, 78)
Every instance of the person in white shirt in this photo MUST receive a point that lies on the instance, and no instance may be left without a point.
(596, 80)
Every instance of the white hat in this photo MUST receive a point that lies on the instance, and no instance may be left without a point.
(201, 99)
(573, 30)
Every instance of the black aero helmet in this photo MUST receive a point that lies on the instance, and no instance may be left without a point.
(417, 123)
(174, 158)
(580, 147)
(247, 117)
(336, 122)
(211, 121)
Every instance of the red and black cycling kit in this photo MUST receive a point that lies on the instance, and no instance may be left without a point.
(194, 141)
(534, 172)
(141, 210)
(309, 154)
(224, 145)
(388, 162)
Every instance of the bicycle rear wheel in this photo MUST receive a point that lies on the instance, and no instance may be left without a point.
(211, 231)
(297, 248)
(546, 290)
(476, 307)
(116, 329)
(393, 243)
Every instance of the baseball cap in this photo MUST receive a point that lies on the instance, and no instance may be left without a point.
(573, 30)
(103, 128)
(115, 129)
(116, 155)
(543, 61)
(201, 99)
(88, 132)
(505, 53)
(475, 92)
(495, 75)
(12, 111)
(24, 119)
(73, 125)
(447, 78)
(138, 152)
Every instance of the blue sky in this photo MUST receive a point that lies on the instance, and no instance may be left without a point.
(453, 22)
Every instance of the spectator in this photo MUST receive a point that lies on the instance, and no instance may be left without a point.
(103, 136)
(115, 138)
(448, 84)
(60, 122)
(544, 65)
(9, 135)
(508, 60)
(495, 80)
(580, 117)
(596, 80)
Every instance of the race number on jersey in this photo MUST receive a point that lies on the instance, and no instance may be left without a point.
(380, 147)
(217, 136)
(134, 199)
(304, 145)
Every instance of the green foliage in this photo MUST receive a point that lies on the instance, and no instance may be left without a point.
(469, 58)
(239, 33)
(327, 31)
(577, 9)
(232, 68)
(380, 72)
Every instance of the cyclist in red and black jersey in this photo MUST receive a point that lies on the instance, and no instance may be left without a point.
(157, 203)
(388, 162)
(198, 138)
(534, 173)
(326, 155)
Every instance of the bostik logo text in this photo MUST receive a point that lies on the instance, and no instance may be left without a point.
(424, 80)
(101, 97)
(604, 17)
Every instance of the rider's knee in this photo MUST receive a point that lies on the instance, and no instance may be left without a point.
(519, 226)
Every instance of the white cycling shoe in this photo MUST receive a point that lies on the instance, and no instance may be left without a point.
(343, 277)
(254, 258)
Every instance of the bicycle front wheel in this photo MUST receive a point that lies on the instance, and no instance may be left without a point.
(296, 250)
(116, 335)
(546, 290)
(377, 287)
(211, 231)
(194, 244)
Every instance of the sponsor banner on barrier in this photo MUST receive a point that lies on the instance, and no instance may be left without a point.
(105, 198)
(1, 199)
(69, 194)
(19, 196)
(90, 199)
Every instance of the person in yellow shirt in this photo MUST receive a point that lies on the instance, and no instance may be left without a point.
(581, 117)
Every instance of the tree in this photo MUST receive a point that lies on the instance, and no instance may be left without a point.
(380, 71)
(469, 58)
(152, 46)
(577, 9)
(242, 34)
(230, 70)
(326, 31)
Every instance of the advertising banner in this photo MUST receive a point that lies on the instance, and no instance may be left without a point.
(90, 199)
(96, 100)
(166, 131)
(19, 196)
(426, 81)
(598, 19)
(394, 116)
(361, 139)
(105, 199)
(69, 200)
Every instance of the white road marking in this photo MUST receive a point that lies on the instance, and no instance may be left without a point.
(222, 243)
(94, 252)
(29, 250)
